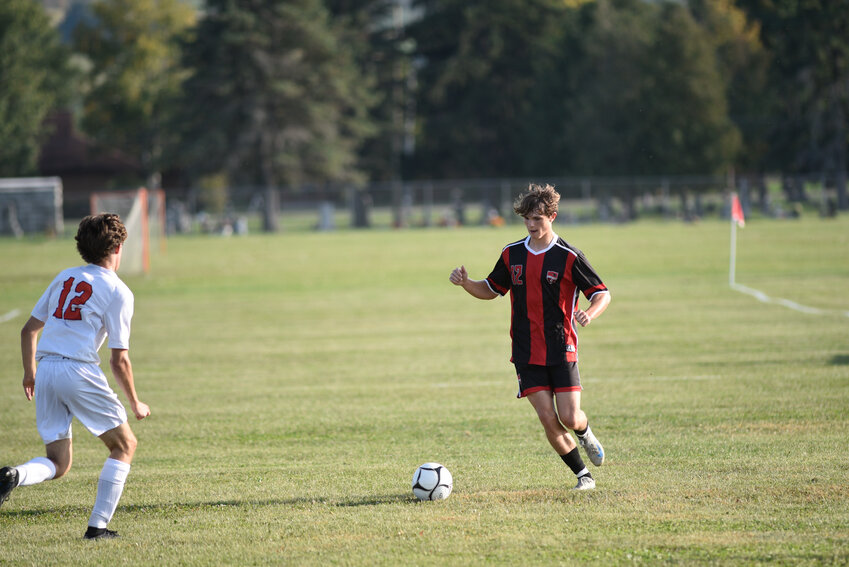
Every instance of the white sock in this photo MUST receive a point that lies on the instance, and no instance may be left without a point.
(37, 470)
(584, 471)
(109, 489)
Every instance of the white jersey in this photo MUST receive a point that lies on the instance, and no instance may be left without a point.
(79, 309)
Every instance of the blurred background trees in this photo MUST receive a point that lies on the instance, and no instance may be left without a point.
(130, 94)
(274, 94)
(808, 81)
(35, 75)
(279, 92)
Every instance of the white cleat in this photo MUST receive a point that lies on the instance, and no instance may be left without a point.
(592, 447)
(585, 482)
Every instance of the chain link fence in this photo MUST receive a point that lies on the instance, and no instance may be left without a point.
(425, 204)
(475, 202)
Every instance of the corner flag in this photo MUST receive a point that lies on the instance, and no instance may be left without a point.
(737, 211)
(736, 219)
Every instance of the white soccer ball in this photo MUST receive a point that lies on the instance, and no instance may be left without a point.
(432, 481)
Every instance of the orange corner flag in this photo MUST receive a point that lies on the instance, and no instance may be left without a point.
(737, 211)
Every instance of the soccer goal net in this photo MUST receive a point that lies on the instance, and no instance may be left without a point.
(143, 213)
(31, 205)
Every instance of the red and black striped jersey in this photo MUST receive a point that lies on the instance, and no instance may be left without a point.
(544, 288)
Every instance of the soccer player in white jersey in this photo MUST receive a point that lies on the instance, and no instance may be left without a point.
(80, 308)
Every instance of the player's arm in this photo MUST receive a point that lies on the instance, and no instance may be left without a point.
(475, 288)
(122, 370)
(29, 341)
(598, 303)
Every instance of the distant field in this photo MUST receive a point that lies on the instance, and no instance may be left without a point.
(297, 380)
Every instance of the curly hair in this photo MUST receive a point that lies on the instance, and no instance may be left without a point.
(537, 198)
(99, 235)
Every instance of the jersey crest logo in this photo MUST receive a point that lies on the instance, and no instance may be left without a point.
(516, 272)
(551, 276)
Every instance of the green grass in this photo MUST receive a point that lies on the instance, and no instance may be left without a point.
(297, 380)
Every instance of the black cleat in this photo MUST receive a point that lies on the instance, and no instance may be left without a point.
(8, 482)
(99, 533)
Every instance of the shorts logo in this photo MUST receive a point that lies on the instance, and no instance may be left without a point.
(551, 276)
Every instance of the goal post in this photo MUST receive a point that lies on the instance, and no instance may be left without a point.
(143, 213)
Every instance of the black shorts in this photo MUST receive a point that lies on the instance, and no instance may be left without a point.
(561, 378)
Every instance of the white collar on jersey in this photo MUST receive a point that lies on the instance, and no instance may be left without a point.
(551, 244)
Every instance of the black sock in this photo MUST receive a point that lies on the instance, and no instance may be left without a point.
(582, 432)
(574, 461)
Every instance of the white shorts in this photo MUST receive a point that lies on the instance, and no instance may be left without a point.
(66, 388)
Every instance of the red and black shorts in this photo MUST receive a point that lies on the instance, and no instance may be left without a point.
(561, 378)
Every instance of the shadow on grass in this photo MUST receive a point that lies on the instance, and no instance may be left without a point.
(378, 500)
(188, 506)
(839, 360)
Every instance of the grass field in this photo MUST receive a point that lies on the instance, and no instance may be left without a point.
(297, 380)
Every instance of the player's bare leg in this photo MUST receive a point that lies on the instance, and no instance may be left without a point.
(61, 453)
(121, 443)
(40, 469)
(569, 410)
(559, 438)
(574, 418)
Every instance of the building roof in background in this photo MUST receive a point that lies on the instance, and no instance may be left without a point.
(67, 151)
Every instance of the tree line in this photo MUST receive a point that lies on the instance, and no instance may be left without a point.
(286, 92)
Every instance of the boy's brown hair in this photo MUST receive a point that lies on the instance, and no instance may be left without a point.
(537, 198)
(99, 235)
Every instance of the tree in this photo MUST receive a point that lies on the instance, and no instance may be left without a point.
(608, 87)
(375, 30)
(744, 68)
(480, 62)
(644, 96)
(686, 128)
(809, 44)
(34, 78)
(591, 105)
(288, 102)
(135, 76)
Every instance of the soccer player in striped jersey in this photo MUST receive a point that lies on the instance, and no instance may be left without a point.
(79, 309)
(545, 276)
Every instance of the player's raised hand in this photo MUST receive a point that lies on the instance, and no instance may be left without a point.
(459, 276)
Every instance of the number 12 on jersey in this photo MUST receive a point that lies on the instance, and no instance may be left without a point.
(72, 312)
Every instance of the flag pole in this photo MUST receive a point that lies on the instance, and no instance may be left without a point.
(737, 217)
(733, 254)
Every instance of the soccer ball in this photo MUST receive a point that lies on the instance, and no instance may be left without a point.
(432, 481)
